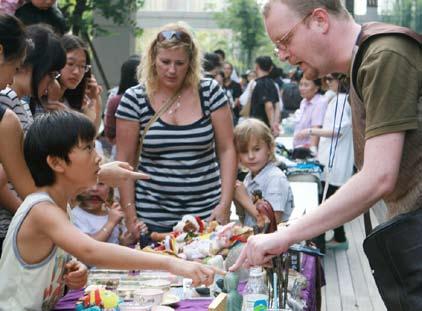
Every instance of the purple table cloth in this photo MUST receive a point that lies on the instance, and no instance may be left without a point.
(309, 265)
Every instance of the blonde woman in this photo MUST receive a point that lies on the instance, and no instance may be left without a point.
(181, 147)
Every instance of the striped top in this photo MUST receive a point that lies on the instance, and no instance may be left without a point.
(181, 160)
(9, 99)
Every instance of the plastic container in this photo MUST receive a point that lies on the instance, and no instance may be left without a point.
(255, 296)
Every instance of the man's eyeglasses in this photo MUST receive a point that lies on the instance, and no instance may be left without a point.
(328, 79)
(169, 35)
(83, 68)
(283, 43)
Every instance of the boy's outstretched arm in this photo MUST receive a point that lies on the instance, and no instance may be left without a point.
(52, 221)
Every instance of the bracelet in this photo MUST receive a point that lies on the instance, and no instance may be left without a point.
(129, 205)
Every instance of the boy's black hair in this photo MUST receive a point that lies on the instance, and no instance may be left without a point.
(264, 62)
(54, 134)
(75, 97)
(12, 37)
(45, 54)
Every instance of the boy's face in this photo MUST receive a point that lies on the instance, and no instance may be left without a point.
(84, 165)
(43, 4)
(256, 156)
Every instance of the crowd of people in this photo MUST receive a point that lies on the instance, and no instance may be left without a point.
(170, 139)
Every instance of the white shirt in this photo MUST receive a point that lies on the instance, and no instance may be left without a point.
(91, 224)
(275, 189)
(342, 168)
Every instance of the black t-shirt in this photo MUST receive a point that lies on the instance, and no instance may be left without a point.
(30, 15)
(234, 89)
(264, 91)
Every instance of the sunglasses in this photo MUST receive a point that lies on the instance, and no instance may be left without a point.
(169, 35)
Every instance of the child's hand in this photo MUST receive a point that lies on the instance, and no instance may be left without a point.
(199, 273)
(115, 213)
(240, 192)
(76, 274)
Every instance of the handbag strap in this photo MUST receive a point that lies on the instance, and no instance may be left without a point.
(368, 223)
(154, 118)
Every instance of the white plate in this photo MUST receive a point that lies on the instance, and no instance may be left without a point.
(161, 308)
(170, 299)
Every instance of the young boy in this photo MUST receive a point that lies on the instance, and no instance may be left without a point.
(59, 151)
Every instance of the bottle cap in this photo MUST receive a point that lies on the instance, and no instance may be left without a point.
(255, 271)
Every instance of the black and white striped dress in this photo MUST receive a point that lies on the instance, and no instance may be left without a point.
(181, 160)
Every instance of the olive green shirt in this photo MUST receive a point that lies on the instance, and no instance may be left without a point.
(389, 81)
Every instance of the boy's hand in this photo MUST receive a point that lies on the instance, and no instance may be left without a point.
(199, 273)
(115, 213)
(76, 274)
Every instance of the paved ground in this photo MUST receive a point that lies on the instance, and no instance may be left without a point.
(350, 285)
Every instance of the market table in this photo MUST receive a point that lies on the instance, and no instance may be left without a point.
(309, 294)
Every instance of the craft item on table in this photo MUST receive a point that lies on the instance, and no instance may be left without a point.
(216, 262)
(98, 300)
(193, 239)
(234, 299)
(265, 210)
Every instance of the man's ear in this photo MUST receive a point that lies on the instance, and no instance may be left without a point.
(56, 164)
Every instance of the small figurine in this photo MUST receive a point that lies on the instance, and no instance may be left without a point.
(265, 209)
(234, 299)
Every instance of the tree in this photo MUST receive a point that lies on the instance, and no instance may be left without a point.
(406, 13)
(78, 14)
(244, 18)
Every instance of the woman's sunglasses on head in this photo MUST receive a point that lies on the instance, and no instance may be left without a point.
(169, 35)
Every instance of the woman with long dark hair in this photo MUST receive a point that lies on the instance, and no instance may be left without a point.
(78, 88)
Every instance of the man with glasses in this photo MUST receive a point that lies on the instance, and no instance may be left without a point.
(385, 66)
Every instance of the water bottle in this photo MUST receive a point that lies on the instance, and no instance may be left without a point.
(255, 296)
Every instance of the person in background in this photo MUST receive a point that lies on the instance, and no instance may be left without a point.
(312, 111)
(234, 76)
(10, 6)
(290, 94)
(181, 147)
(265, 97)
(255, 148)
(32, 77)
(13, 45)
(42, 12)
(335, 150)
(234, 88)
(211, 65)
(78, 87)
(127, 79)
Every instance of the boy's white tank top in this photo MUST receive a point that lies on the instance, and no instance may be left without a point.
(29, 286)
